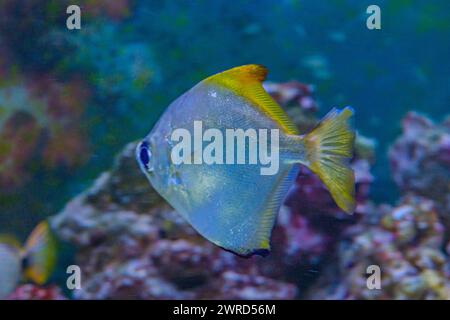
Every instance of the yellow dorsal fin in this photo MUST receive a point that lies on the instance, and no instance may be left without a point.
(246, 81)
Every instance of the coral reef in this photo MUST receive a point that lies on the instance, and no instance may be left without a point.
(40, 127)
(420, 159)
(33, 292)
(404, 241)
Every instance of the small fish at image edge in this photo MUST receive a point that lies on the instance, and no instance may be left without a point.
(34, 262)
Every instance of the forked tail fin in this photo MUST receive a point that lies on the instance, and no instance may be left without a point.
(329, 147)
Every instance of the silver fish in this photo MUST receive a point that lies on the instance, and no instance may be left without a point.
(234, 205)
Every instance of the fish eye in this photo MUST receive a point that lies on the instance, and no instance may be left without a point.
(145, 155)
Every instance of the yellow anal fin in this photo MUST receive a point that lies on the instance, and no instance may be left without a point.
(246, 81)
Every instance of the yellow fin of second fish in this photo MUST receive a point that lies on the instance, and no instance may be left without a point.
(246, 81)
(40, 250)
(11, 241)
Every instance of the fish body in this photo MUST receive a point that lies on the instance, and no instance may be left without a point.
(231, 204)
(10, 266)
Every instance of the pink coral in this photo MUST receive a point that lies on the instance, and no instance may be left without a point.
(18, 143)
(420, 159)
(405, 242)
(33, 292)
(40, 123)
